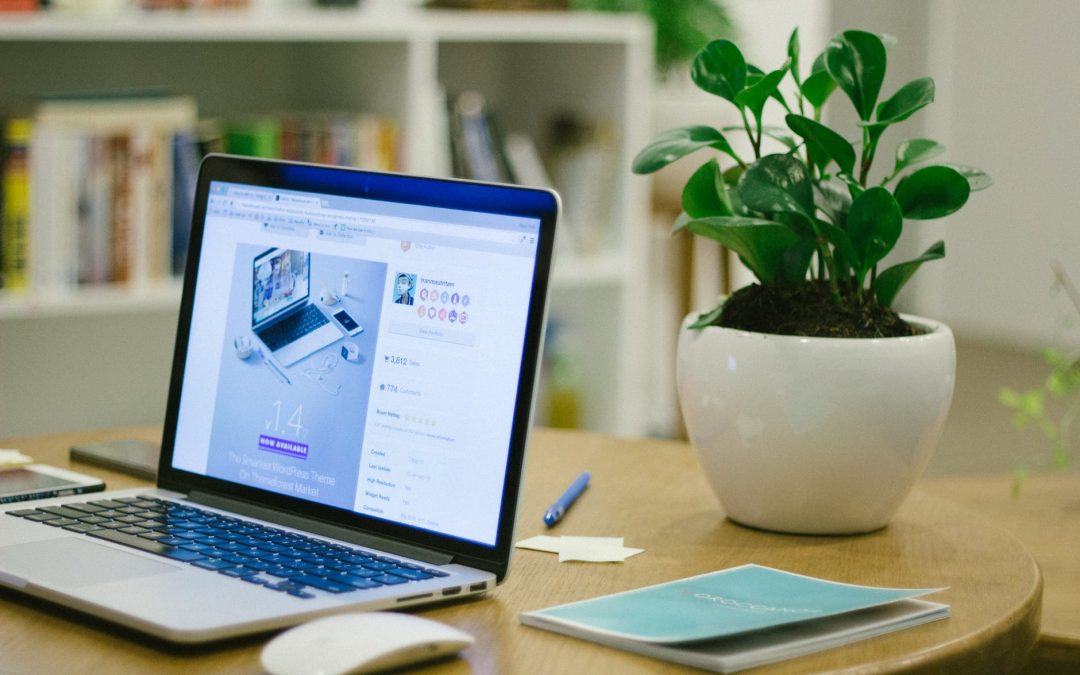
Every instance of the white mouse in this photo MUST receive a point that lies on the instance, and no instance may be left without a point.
(360, 643)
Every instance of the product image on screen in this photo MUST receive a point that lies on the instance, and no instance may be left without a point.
(295, 428)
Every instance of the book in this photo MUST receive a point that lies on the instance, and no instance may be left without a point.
(739, 618)
(475, 140)
(101, 168)
(15, 210)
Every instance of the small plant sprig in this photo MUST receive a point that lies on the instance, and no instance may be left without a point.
(815, 203)
(1061, 385)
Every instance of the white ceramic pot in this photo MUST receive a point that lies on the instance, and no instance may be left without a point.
(814, 435)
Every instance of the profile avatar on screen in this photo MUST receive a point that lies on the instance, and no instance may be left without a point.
(404, 287)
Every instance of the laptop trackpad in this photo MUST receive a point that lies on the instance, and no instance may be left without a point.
(72, 562)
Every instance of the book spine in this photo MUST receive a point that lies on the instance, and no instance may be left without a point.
(185, 166)
(161, 198)
(123, 235)
(15, 220)
(93, 254)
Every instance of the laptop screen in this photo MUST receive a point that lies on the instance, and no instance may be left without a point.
(410, 415)
(280, 281)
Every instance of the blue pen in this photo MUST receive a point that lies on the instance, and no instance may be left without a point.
(556, 511)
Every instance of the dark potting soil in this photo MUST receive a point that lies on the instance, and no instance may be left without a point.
(809, 310)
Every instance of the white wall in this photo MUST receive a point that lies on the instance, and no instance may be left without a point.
(1010, 101)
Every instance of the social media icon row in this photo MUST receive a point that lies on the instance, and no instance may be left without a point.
(444, 297)
(442, 314)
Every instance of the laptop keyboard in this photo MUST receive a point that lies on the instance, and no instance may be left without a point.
(296, 326)
(281, 561)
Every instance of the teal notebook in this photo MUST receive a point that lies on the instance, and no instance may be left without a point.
(740, 617)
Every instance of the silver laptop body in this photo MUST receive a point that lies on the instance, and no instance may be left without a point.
(389, 460)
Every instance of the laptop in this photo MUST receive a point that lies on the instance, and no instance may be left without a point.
(283, 317)
(381, 472)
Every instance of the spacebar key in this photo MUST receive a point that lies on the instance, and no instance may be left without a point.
(147, 545)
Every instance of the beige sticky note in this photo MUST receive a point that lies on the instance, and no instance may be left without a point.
(591, 549)
(540, 542)
(12, 459)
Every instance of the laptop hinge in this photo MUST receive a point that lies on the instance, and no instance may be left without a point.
(324, 529)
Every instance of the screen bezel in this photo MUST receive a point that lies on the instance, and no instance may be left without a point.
(540, 204)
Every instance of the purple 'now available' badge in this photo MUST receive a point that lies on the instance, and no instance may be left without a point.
(283, 447)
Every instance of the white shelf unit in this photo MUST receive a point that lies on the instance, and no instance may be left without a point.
(394, 62)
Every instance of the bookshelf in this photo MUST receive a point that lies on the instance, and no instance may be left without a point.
(398, 62)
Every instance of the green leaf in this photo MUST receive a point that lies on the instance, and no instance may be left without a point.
(676, 143)
(844, 253)
(681, 221)
(754, 96)
(909, 99)
(793, 54)
(819, 85)
(833, 198)
(893, 279)
(732, 175)
(777, 134)
(856, 60)
(720, 69)
(977, 178)
(823, 142)
(932, 192)
(778, 184)
(914, 151)
(760, 243)
(711, 318)
(705, 194)
(874, 222)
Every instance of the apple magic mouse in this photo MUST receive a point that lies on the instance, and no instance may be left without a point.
(362, 642)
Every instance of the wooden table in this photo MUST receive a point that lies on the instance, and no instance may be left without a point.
(1046, 518)
(653, 494)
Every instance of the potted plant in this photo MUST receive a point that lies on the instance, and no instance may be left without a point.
(813, 406)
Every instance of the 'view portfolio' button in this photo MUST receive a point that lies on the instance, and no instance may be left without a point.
(431, 332)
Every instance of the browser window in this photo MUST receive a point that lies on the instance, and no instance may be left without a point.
(406, 417)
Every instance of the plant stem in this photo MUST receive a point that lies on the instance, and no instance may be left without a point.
(756, 144)
(830, 265)
(1066, 284)
(865, 158)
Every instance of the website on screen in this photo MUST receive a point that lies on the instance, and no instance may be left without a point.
(358, 354)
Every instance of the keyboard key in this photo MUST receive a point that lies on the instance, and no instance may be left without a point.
(355, 581)
(81, 527)
(60, 522)
(86, 508)
(390, 579)
(22, 513)
(155, 547)
(62, 511)
(412, 575)
(107, 503)
(324, 584)
(211, 564)
(93, 520)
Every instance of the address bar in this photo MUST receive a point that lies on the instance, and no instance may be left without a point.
(419, 226)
